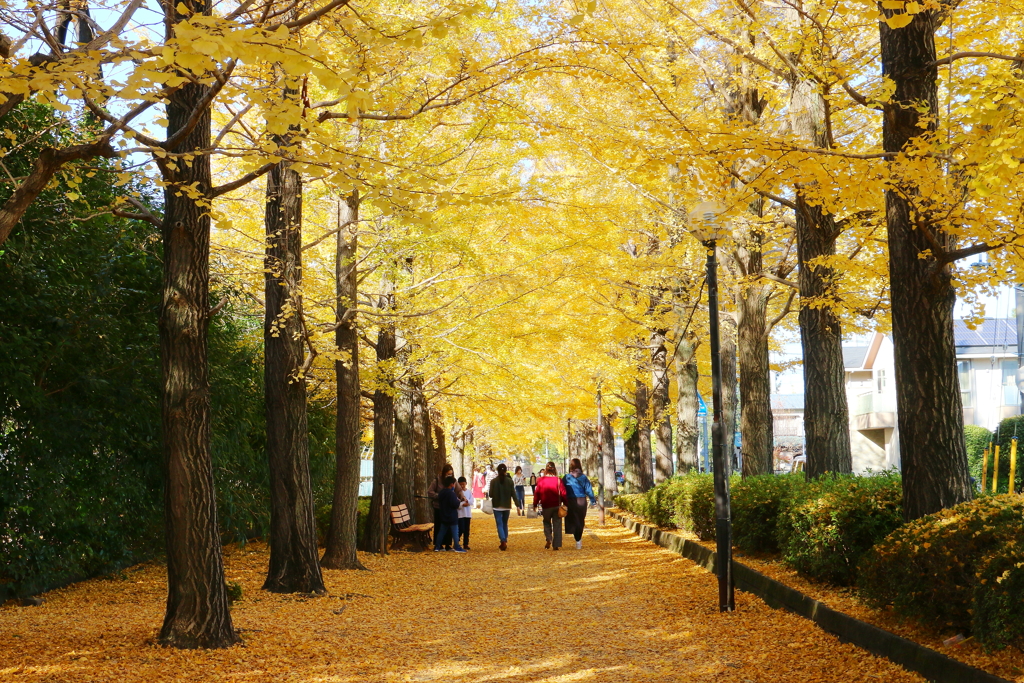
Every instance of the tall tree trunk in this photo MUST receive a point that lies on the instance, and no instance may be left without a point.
(591, 447)
(755, 376)
(405, 459)
(379, 521)
(648, 474)
(440, 447)
(458, 454)
(932, 451)
(422, 467)
(687, 404)
(607, 436)
(197, 614)
(340, 552)
(294, 564)
(631, 466)
(826, 413)
(661, 425)
(728, 353)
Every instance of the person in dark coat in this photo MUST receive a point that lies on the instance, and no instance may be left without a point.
(448, 512)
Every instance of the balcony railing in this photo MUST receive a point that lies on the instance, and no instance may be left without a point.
(872, 402)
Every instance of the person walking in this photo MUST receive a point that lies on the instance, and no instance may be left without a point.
(549, 493)
(449, 504)
(502, 493)
(578, 488)
(479, 481)
(520, 483)
(465, 512)
(433, 493)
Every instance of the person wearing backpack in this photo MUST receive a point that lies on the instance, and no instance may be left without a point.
(578, 488)
(502, 493)
(550, 495)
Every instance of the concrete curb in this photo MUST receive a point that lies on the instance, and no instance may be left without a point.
(933, 665)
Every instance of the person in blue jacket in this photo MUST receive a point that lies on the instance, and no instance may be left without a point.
(449, 515)
(577, 489)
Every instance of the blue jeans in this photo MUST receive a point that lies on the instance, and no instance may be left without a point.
(521, 496)
(501, 520)
(443, 531)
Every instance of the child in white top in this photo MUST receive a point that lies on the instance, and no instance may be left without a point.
(465, 512)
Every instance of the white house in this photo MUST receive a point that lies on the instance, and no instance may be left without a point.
(987, 362)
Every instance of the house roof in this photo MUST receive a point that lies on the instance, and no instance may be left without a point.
(991, 332)
(853, 356)
(787, 401)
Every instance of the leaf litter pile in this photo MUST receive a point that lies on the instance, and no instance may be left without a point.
(619, 610)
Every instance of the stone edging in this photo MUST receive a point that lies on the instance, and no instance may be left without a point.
(933, 665)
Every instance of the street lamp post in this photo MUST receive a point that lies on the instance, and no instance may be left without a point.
(705, 226)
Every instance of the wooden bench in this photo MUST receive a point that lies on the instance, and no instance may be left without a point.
(403, 530)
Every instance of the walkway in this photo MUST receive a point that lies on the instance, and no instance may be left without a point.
(619, 610)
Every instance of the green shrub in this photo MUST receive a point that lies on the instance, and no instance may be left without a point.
(829, 523)
(997, 619)
(1008, 428)
(323, 518)
(757, 505)
(686, 502)
(940, 568)
(695, 504)
(977, 440)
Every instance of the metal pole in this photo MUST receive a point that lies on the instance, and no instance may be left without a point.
(383, 522)
(723, 513)
(600, 460)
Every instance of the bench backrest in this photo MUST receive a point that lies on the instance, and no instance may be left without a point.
(400, 516)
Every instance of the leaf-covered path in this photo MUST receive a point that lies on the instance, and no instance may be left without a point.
(621, 609)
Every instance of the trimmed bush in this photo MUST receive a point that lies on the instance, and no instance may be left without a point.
(757, 505)
(940, 568)
(827, 524)
(977, 440)
(695, 505)
(997, 619)
(686, 502)
(1007, 429)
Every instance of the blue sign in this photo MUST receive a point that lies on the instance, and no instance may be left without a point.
(703, 409)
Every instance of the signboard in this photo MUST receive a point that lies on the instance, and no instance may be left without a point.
(703, 409)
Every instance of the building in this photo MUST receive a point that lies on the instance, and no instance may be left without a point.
(987, 364)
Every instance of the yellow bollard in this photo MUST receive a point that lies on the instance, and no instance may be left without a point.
(984, 468)
(1013, 464)
(995, 471)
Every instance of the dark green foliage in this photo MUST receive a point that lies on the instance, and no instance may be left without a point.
(80, 457)
(686, 502)
(79, 379)
(829, 523)
(234, 591)
(757, 505)
(998, 617)
(941, 567)
(978, 439)
(1007, 429)
(323, 516)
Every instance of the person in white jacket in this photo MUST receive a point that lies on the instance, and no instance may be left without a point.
(465, 512)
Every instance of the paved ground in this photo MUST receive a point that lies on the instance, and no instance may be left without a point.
(619, 610)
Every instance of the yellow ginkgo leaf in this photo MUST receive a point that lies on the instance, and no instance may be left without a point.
(899, 20)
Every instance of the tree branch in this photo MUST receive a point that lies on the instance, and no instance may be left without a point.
(45, 167)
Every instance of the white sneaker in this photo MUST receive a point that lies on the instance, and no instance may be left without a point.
(579, 545)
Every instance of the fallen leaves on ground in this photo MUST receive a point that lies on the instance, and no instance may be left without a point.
(1008, 663)
(619, 610)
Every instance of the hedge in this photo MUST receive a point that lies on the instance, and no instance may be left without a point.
(962, 568)
(757, 506)
(827, 524)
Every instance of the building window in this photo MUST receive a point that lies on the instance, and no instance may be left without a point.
(963, 369)
(880, 382)
(1011, 396)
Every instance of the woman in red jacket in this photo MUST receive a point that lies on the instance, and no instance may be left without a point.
(549, 493)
